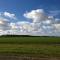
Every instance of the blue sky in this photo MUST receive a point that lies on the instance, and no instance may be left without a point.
(30, 16)
(20, 6)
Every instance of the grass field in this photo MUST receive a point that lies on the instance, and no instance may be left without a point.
(33, 46)
(29, 40)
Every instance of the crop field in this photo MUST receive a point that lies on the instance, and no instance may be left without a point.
(29, 48)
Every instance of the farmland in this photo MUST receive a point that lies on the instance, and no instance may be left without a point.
(32, 47)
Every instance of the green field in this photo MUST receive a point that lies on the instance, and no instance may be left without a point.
(29, 40)
(33, 46)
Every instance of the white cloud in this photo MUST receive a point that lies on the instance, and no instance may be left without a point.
(57, 26)
(41, 24)
(4, 24)
(24, 26)
(10, 15)
(36, 15)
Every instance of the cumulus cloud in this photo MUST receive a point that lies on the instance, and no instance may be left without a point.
(42, 24)
(9, 15)
(36, 15)
(21, 26)
(4, 25)
(57, 26)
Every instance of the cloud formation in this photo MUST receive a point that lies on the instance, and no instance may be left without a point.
(47, 24)
(7, 15)
(36, 15)
(42, 24)
(10, 15)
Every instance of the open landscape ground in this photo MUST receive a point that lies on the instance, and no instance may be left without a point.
(29, 48)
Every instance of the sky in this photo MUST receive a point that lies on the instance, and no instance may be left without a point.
(32, 17)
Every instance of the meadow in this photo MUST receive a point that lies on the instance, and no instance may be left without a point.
(29, 40)
(43, 46)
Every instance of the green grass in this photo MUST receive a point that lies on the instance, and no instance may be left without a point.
(30, 40)
(46, 46)
(41, 50)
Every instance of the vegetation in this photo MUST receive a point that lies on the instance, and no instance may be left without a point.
(16, 39)
(42, 46)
